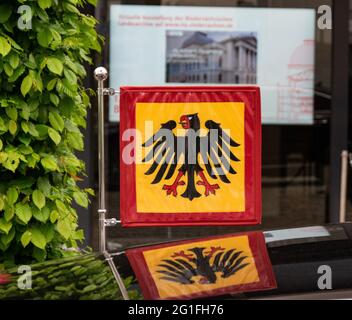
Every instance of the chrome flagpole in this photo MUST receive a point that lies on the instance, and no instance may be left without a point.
(101, 75)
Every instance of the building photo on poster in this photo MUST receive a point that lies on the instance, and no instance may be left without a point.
(218, 46)
(211, 57)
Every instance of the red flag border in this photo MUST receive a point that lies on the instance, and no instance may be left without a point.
(257, 245)
(252, 215)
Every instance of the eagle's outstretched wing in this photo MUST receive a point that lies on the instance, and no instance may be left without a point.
(178, 270)
(215, 150)
(165, 152)
(229, 262)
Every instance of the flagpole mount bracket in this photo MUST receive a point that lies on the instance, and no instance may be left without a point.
(110, 92)
(111, 222)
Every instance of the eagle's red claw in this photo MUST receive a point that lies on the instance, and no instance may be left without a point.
(209, 188)
(172, 189)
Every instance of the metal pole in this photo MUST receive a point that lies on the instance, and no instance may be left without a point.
(343, 191)
(101, 74)
(117, 276)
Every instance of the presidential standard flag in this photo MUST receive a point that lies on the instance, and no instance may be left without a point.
(190, 156)
(204, 267)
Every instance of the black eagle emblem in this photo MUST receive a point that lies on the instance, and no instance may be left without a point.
(170, 151)
(202, 265)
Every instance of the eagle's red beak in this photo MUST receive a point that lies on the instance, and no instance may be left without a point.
(184, 122)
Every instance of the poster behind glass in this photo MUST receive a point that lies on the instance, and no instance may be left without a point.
(167, 45)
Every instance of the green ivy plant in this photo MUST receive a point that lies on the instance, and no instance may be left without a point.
(43, 108)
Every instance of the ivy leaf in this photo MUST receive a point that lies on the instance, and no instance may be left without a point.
(26, 238)
(23, 182)
(14, 60)
(12, 196)
(9, 213)
(5, 226)
(81, 199)
(79, 235)
(39, 254)
(38, 199)
(60, 206)
(44, 4)
(41, 215)
(3, 126)
(12, 127)
(54, 135)
(7, 238)
(25, 112)
(64, 228)
(71, 127)
(5, 13)
(70, 76)
(37, 238)
(5, 47)
(14, 44)
(32, 160)
(17, 73)
(37, 81)
(70, 7)
(51, 84)
(45, 37)
(75, 140)
(44, 185)
(33, 130)
(57, 37)
(31, 63)
(23, 212)
(42, 130)
(26, 150)
(55, 65)
(48, 231)
(3, 157)
(2, 203)
(54, 215)
(12, 113)
(54, 99)
(56, 121)
(26, 85)
(67, 106)
(92, 2)
(8, 70)
(49, 163)
(12, 161)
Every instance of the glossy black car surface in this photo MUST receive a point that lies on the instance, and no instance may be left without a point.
(301, 259)
(307, 262)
